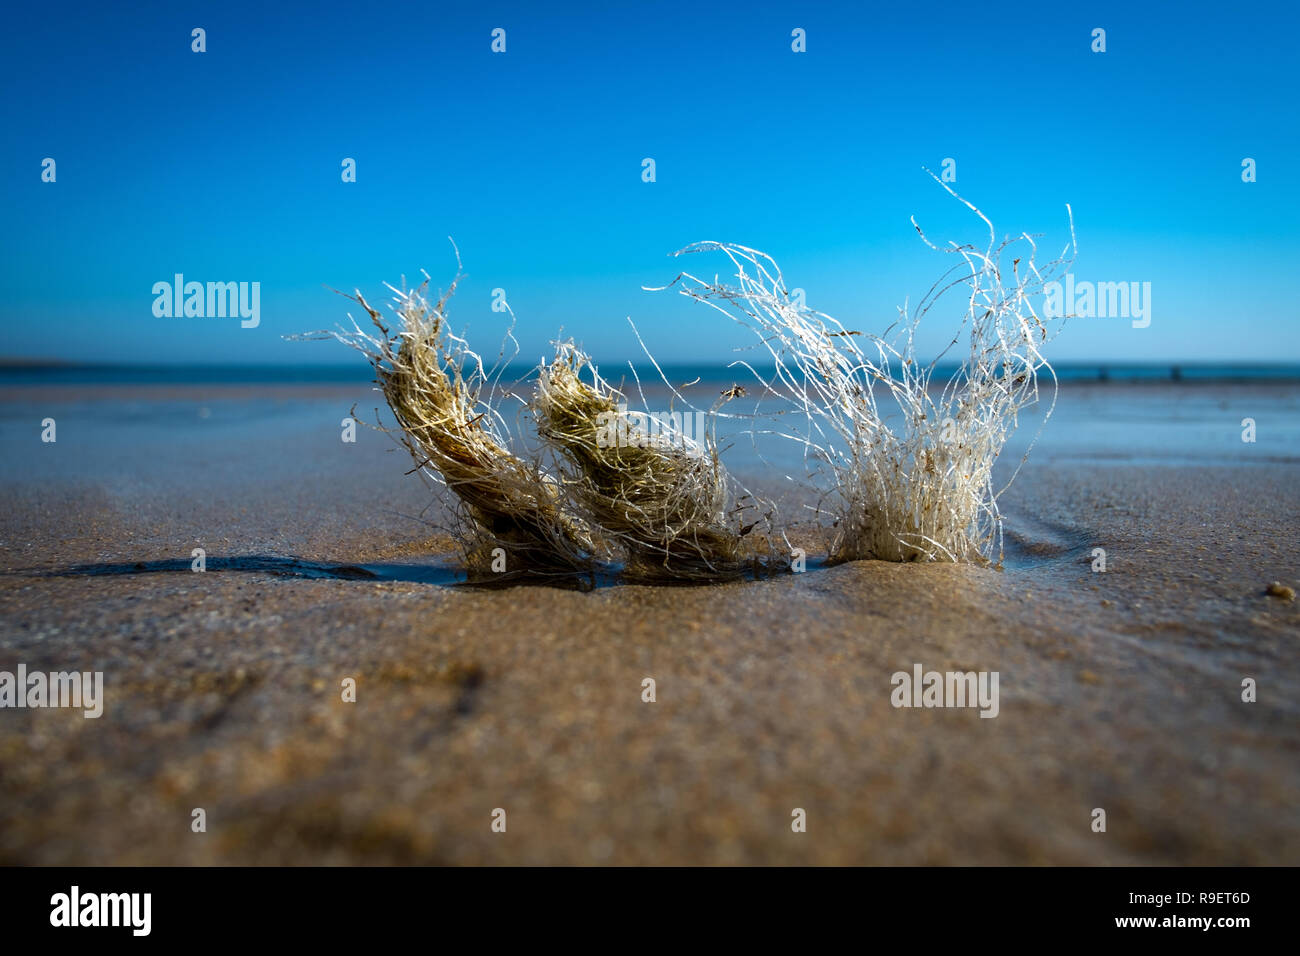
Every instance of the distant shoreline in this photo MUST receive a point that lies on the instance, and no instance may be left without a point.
(21, 371)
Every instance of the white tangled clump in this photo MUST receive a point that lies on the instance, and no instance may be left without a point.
(661, 502)
(922, 489)
(446, 405)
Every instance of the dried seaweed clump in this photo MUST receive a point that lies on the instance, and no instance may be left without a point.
(434, 385)
(661, 500)
(913, 475)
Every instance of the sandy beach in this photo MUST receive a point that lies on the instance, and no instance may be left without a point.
(325, 561)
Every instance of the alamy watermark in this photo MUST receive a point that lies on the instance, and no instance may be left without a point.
(951, 689)
(626, 429)
(211, 300)
(58, 689)
(76, 908)
(1098, 300)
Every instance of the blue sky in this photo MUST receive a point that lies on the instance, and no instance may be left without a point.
(225, 166)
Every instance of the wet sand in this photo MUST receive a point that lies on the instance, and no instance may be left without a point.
(1119, 691)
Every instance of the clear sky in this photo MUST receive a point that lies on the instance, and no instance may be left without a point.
(225, 165)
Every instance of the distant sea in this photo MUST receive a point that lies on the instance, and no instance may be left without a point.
(19, 373)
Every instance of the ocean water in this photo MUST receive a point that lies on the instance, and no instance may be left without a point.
(359, 372)
(148, 427)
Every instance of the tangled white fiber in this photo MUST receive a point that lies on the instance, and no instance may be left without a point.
(445, 404)
(662, 502)
(922, 489)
